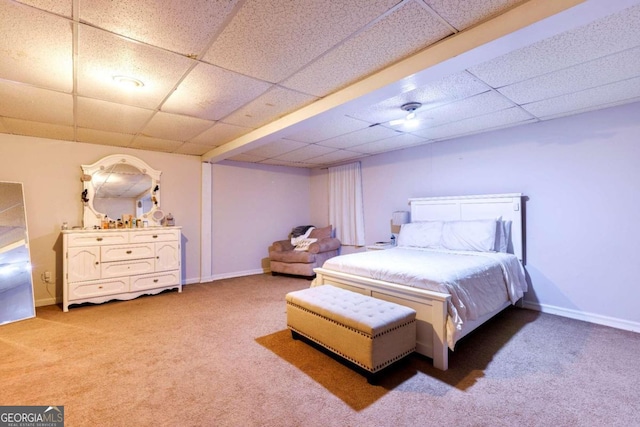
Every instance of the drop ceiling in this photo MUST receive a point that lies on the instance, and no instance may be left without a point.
(307, 83)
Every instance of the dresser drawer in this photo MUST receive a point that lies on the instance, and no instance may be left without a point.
(127, 268)
(128, 252)
(93, 239)
(98, 288)
(150, 281)
(158, 234)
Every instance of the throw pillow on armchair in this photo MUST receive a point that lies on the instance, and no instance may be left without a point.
(286, 258)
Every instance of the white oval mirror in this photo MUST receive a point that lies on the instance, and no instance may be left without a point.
(120, 186)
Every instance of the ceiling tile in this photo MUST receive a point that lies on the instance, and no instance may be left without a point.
(335, 157)
(328, 128)
(305, 153)
(220, 133)
(157, 144)
(464, 13)
(274, 162)
(211, 93)
(103, 115)
(400, 34)
(38, 105)
(473, 106)
(256, 43)
(59, 7)
(192, 149)
(601, 71)
(36, 47)
(102, 56)
(174, 126)
(244, 157)
(602, 37)
(101, 137)
(369, 134)
(599, 97)
(394, 143)
(451, 88)
(276, 148)
(269, 106)
(271, 39)
(177, 26)
(41, 130)
(486, 122)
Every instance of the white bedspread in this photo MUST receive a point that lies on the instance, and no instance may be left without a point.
(478, 282)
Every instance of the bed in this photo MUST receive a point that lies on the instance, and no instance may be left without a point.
(458, 263)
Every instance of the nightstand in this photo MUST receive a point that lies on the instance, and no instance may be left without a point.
(379, 246)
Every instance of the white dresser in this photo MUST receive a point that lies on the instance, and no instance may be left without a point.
(103, 265)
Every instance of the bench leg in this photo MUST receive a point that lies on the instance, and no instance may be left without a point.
(372, 378)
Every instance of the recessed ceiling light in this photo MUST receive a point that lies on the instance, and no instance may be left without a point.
(128, 82)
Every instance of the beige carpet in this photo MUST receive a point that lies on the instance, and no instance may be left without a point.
(219, 354)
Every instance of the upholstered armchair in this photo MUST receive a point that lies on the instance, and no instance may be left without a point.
(310, 253)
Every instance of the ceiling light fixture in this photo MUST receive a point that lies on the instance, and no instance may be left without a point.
(128, 82)
(410, 108)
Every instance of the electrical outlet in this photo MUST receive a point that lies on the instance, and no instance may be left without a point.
(46, 277)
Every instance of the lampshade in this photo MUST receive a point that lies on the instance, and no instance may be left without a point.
(399, 217)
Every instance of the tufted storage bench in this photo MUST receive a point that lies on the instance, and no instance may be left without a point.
(368, 332)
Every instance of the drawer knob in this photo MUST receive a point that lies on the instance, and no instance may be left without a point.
(128, 252)
(97, 263)
(99, 287)
(99, 239)
(155, 280)
(155, 236)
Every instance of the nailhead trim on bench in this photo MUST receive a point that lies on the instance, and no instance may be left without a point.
(339, 353)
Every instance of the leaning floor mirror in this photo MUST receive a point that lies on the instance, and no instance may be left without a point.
(16, 287)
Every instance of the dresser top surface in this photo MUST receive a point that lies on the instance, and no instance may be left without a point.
(119, 230)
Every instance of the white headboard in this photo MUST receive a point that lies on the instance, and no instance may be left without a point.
(487, 206)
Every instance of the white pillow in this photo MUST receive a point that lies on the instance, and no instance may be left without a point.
(303, 244)
(422, 234)
(474, 235)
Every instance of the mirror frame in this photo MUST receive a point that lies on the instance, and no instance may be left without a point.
(91, 217)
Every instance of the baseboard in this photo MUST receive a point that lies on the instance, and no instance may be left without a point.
(45, 301)
(586, 317)
(232, 275)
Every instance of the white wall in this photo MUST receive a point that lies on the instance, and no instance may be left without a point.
(581, 178)
(50, 171)
(253, 206)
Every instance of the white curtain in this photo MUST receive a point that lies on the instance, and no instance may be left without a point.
(346, 211)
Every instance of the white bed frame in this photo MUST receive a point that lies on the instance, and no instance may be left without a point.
(431, 307)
